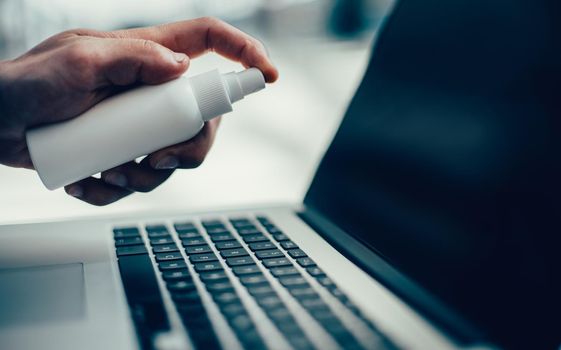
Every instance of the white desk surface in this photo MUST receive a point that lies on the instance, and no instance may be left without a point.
(266, 150)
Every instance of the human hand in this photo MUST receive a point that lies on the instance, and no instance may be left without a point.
(70, 72)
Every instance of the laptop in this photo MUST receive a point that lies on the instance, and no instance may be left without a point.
(431, 222)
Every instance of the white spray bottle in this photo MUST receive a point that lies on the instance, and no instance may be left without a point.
(134, 124)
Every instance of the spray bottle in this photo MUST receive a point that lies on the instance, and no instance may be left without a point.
(135, 123)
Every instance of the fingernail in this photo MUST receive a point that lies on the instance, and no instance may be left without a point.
(76, 191)
(116, 179)
(167, 163)
(179, 57)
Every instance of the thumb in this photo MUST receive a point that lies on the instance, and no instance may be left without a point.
(128, 61)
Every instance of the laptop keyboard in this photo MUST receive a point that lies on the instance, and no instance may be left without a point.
(248, 252)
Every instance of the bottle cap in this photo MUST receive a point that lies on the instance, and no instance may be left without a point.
(215, 93)
(210, 94)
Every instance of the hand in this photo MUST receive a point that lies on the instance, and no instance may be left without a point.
(70, 72)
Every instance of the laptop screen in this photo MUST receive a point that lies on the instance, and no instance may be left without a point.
(447, 162)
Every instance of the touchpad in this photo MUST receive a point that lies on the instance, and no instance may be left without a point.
(41, 294)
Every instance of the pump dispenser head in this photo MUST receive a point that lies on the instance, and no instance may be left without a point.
(215, 92)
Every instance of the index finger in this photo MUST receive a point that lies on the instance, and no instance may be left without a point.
(195, 37)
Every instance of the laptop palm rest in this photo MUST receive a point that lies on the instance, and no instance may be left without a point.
(41, 294)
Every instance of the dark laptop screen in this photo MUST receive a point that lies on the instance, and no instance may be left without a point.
(448, 159)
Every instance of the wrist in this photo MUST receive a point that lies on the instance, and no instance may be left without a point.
(6, 80)
(10, 133)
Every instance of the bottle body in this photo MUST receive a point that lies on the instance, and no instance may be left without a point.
(115, 131)
(135, 123)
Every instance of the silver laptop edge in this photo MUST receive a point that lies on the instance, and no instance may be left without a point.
(105, 321)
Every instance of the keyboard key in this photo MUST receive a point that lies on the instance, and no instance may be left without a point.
(187, 235)
(260, 290)
(219, 287)
(121, 242)
(222, 237)
(254, 238)
(326, 282)
(168, 256)
(156, 228)
(303, 293)
(233, 252)
(313, 304)
(273, 229)
(300, 342)
(213, 276)
(292, 332)
(245, 270)
(288, 245)
(323, 315)
(276, 262)
(233, 309)
(315, 271)
(175, 275)
(186, 296)
(193, 241)
(192, 310)
(211, 224)
(294, 282)
(208, 266)
(241, 323)
(123, 232)
(253, 279)
(248, 231)
(242, 260)
(284, 271)
(197, 258)
(225, 298)
(172, 265)
(337, 293)
(272, 253)
(143, 293)
(156, 234)
(198, 249)
(297, 253)
(217, 230)
(280, 237)
(269, 302)
(131, 250)
(246, 226)
(280, 314)
(261, 245)
(227, 245)
(239, 221)
(183, 285)
(165, 248)
(163, 240)
(200, 331)
(263, 219)
(306, 262)
(251, 340)
(184, 226)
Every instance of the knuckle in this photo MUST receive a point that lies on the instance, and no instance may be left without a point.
(148, 44)
(83, 32)
(78, 54)
(83, 61)
(195, 160)
(210, 21)
(145, 187)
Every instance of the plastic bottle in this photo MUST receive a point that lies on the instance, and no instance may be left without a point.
(135, 123)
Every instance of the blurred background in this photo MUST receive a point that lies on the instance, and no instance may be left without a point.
(267, 150)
